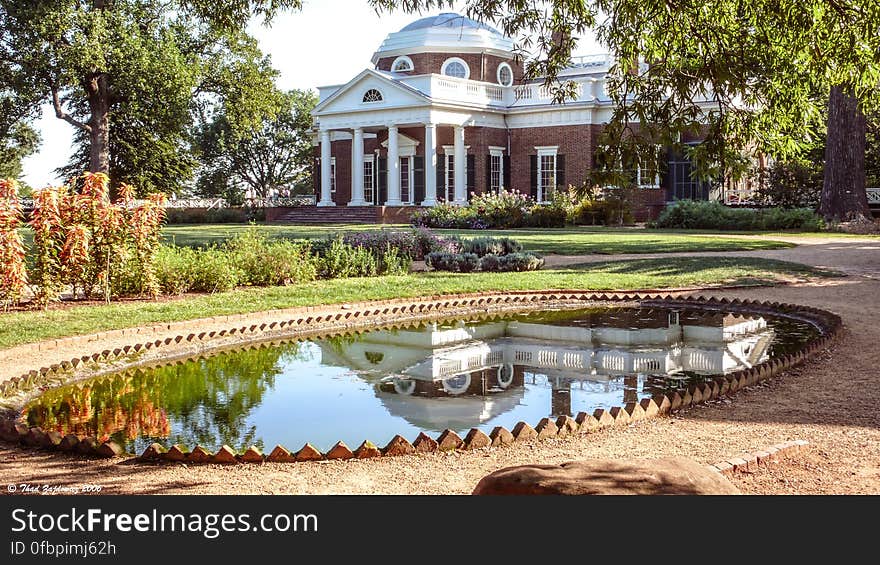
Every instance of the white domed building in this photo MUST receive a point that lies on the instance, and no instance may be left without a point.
(445, 114)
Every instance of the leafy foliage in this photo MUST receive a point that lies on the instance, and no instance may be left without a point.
(13, 274)
(275, 155)
(690, 214)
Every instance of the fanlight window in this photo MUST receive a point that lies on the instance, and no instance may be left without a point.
(402, 64)
(456, 67)
(372, 95)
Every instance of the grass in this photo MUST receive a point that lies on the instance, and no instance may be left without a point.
(29, 326)
(562, 241)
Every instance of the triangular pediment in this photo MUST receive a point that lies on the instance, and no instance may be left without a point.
(350, 97)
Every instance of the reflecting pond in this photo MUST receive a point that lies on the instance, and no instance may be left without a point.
(459, 375)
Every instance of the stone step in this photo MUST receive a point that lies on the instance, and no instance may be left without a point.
(330, 215)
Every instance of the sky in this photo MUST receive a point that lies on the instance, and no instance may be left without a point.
(327, 42)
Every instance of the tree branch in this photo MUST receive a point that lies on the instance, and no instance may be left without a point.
(62, 115)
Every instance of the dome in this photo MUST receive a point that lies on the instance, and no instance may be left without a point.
(447, 32)
(449, 20)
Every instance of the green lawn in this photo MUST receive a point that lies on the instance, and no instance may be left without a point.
(564, 241)
(28, 326)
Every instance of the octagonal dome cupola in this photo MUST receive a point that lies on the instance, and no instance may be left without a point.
(446, 33)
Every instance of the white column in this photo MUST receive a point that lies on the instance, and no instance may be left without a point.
(460, 168)
(393, 169)
(357, 168)
(326, 197)
(430, 165)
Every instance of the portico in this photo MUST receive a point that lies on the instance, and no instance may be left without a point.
(407, 166)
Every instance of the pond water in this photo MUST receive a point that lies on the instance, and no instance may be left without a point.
(461, 374)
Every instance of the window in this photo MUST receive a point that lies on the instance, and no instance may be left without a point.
(450, 177)
(455, 67)
(648, 176)
(372, 95)
(405, 180)
(402, 64)
(505, 75)
(496, 170)
(332, 175)
(546, 173)
(368, 179)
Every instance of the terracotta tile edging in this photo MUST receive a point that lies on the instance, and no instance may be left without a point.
(390, 313)
(750, 461)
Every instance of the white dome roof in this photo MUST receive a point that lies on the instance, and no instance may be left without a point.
(447, 32)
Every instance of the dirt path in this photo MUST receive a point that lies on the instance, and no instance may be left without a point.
(832, 402)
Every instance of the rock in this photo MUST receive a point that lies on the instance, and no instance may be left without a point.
(340, 451)
(424, 443)
(53, 438)
(649, 407)
(546, 429)
(671, 475)
(501, 436)
(252, 455)
(69, 443)
(367, 450)
(199, 455)
(398, 446)
(280, 455)
(308, 453)
(87, 445)
(586, 423)
(449, 440)
(110, 449)
(566, 425)
(523, 432)
(225, 455)
(153, 452)
(36, 437)
(476, 439)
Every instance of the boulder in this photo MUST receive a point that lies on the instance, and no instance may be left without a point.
(671, 475)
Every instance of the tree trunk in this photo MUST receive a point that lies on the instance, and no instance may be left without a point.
(99, 133)
(844, 197)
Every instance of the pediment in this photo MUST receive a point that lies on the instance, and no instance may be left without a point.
(350, 97)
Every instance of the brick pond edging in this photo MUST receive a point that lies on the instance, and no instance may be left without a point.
(750, 461)
(344, 318)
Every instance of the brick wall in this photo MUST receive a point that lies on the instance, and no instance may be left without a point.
(484, 67)
(575, 142)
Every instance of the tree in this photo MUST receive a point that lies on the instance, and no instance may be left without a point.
(276, 155)
(146, 68)
(741, 73)
(19, 106)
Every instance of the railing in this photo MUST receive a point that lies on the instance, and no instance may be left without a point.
(27, 204)
(458, 89)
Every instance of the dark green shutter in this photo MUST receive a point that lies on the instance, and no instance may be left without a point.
(418, 179)
(560, 171)
(507, 180)
(441, 175)
(488, 186)
(471, 176)
(317, 171)
(383, 181)
(533, 176)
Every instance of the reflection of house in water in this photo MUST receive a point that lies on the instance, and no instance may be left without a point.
(480, 369)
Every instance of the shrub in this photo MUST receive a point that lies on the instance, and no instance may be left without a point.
(483, 246)
(547, 216)
(490, 263)
(13, 274)
(182, 269)
(521, 262)
(429, 242)
(468, 262)
(588, 212)
(340, 260)
(504, 209)
(690, 214)
(264, 262)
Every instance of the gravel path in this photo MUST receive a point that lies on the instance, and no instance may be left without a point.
(831, 402)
